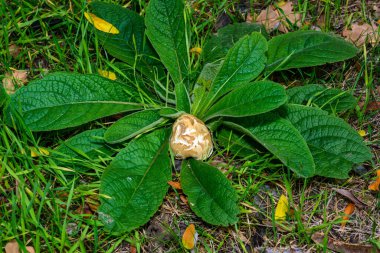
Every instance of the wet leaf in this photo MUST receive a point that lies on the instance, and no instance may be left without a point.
(107, 74)
(360, 33)
(282, 208)
(101, 24)
(190, 237)
(360, 204)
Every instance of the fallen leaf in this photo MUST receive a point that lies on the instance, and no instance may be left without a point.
(340, 246)
(41, 151)
(375, 185)
(107, 74)
(279, 18)
(132, 249)
(14, 80)
(360, 204)
(196, 50)
(281, 209)
(362, 133)
(360, 33)
(373, 106)
(101, 24)
(14, 50)
(190, 237)
(175, 185)
(350, 208)
(12, 247)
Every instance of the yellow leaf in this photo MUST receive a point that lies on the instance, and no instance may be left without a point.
(41, 151)
(108, 74)
(190, 237)
(196, 50)
(101, 24)
(281, 209)
(362, 133)
(350, 208)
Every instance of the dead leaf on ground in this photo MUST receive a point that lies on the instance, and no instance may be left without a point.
(282, 208)
(340, 246)
(350, 208)
(373, 106)
(190, 237)
(13, 80)
(175, 185)
(360, 204)
(279, 17)
(14, 50)
(360, 33)
(375, 185)
(12, 247)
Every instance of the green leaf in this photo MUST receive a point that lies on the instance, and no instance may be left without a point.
(182, 98)
(167, 32)
(86, 145)
(3, 96)
(236, 143)
(331, 100)
(63, 100)
(334, 145)
(131, 44)
(307, 48)
(132, 125)
(210, 194)
(281, 138)
(248, 100)
(135, 183)
(244, 62)
(217, 46)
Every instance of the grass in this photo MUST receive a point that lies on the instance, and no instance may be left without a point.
(43, 206)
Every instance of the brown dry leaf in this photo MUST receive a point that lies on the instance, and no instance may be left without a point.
(278, 18)
(184, 199)
(17, 79)
(350, 208)
(132, 249)
(373, 106)
(358, 203)
(14, 50)
(375, 185)
(340, 246)
(360, 33)
(175, 185)
(12, 247)
(190, 237)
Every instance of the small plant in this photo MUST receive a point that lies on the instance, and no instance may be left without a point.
(175, 103)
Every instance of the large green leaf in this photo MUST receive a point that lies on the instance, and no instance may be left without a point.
(182, 98)
(331, 100)
(281, 138)
(62, 100)
(3, 96)
(306, 49)
(209, 192)
(132, 125)
(236, 143)
(131, 44)
(248, 100)
(168, 33)
(135, 183)
(244, 62)
(86, 145)
(217, 45)
(334, 145)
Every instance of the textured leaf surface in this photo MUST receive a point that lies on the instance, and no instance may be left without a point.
(166, 30)
(63, 100)
(236, 143)
(3, 96)
(218, 45)
(132, 125)
(250, 99)
(182, 98)
(281, 138)
(306, 49)
(244, 62)
(135, 183)
(131, 44)
(209, 192)
(86, 145)
(334, 144)
(331, 100)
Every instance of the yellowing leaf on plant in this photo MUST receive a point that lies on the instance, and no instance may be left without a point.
(175, 185)
(375, 185)
(41, 151)
(282, 208)
(101, 24)
(362, 133)
(350, 208)
(107, 74)
(196, 50)
(190, 237)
